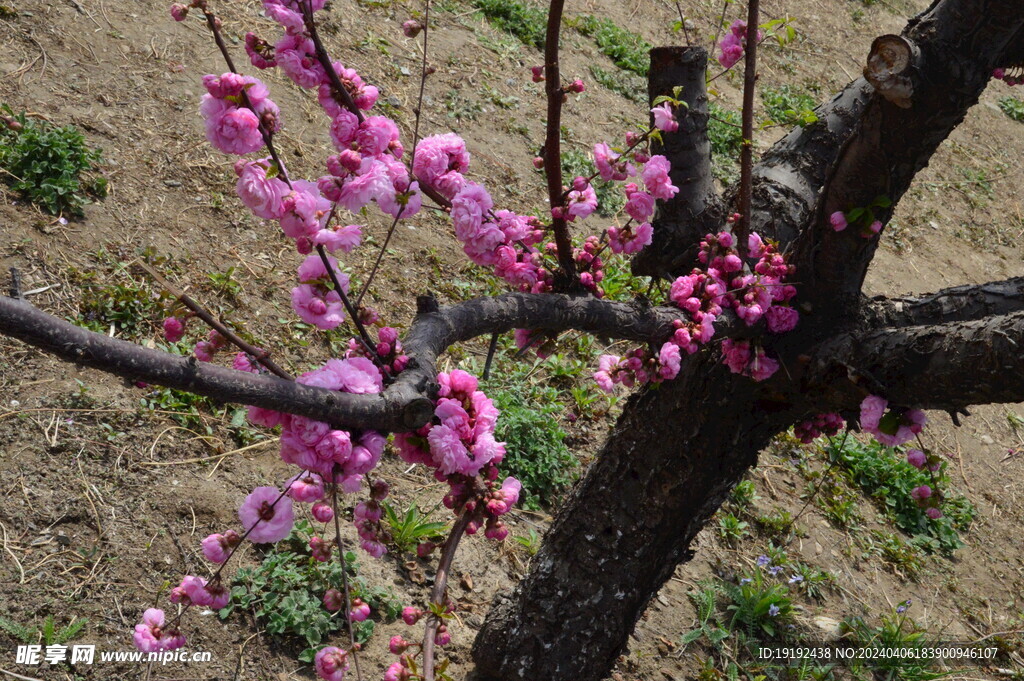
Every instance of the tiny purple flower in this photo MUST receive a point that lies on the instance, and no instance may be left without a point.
(773, 610)
(762, 561)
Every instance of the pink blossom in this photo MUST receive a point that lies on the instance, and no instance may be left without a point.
(656, 179)
(411, 615)
(838, 220)
(263, 196)
(736, 355)
(872, 408)
(609, 165)
(669, 359)
(322, 513)
(261, 53)
(370, 182)
(916, 458)
(331, 663)
(665, 118)
(921, 493)
(333, 600)
(781, 319)
(344, 239)
(266, 521)
(179, 12)
(301, 213)
(231, 129)
(306, 488)
(217, 547)
(204, 351)
(580, 204)
(313, 306)
(762, 366)
(174, 329)
(296, 56)
(411, 28)
(359, 610)
(150, 635)
(639, 204)
(933, 513)
(439, 162)
(267, 418)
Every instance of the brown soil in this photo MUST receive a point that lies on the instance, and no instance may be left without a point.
(95, 516)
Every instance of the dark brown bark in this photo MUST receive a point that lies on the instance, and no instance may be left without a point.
(959, 303)
(403, 406)
(682, 221)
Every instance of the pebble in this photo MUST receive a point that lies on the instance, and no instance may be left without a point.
(395, 102)
(987, 440)
(404, 71)
(172, 183)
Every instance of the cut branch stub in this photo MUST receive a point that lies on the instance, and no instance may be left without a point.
(890, 67)
(683, 220)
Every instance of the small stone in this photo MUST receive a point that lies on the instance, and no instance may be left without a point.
(404, 71)
(395, 102)
(172, 183)
(987, 440)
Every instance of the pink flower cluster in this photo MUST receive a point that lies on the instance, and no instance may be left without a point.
(499, 239)
(459, 445)
(762, 293)
(367, 517)
(267, 515)
(891, 427)
(234, 108)
(314, 300)
(152, 636)
(821, 424)
(391, 358)
(734, 42)
(205, 350)
(749, 359)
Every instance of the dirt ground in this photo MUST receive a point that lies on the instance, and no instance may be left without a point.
(104, 501)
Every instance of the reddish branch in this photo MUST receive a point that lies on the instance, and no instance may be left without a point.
(553, 143)
(438, 595)
(747, 151)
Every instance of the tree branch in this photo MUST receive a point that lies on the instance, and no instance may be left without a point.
(552, 142)
(960, 303)
(683, 220)
(950, 52)
(939, 366)
(405, 405)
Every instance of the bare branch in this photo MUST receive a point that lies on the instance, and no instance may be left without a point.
(960, 303)
(940, 366)
(403, 406)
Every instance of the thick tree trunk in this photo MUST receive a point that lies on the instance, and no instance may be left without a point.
(670, 463)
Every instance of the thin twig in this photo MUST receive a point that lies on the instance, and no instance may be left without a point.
(437, 594)
(344, 582)
(260, 355)
(552, 143)
(747, 151)
(364, 337)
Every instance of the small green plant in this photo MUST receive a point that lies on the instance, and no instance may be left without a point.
(224, 283)
(726, 138)
(525, 21)
(621, 82)
(530, 542)
(536, 453)
(897, 631)
(732, 530)
(411, 528)
(285, 594)
(743, 495)
(460, 107)
(884, 475)
(812, 581)
(1012, 107)
(47, 634)
(902, 557)
(626, 49)
(51, 166)
(787, 105)
(778, 523)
